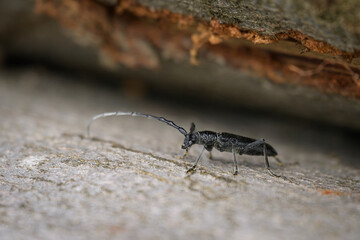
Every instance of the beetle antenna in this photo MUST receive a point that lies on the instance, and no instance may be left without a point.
(136, 114)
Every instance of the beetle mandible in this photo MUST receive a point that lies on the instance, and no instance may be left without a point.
(224, 142)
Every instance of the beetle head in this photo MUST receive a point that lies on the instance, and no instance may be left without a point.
(190, 138)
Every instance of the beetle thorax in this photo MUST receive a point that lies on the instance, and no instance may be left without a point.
(207, 138)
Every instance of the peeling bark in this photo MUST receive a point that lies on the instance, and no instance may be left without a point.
(135, 35)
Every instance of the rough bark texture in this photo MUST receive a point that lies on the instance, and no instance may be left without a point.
(332, 22)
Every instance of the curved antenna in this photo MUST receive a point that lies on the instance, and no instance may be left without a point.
(192, 128)
(136, 114)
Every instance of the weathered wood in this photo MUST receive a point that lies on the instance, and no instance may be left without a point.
(334, 22)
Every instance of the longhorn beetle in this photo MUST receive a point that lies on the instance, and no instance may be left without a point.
(224, 142)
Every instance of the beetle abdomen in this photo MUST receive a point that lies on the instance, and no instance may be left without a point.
(226, 141)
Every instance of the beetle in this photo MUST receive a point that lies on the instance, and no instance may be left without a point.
(224, 142)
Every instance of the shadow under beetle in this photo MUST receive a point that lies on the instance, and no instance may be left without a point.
(224, 142)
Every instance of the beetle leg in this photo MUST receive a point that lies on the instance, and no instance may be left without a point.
(209, 149)
(255, 144)
(280, 163)
(185, 154)
(196, 162)
(267, 163)
(236, 170)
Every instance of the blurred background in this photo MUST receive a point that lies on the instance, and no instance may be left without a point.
(298, 60)
(287, 71)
